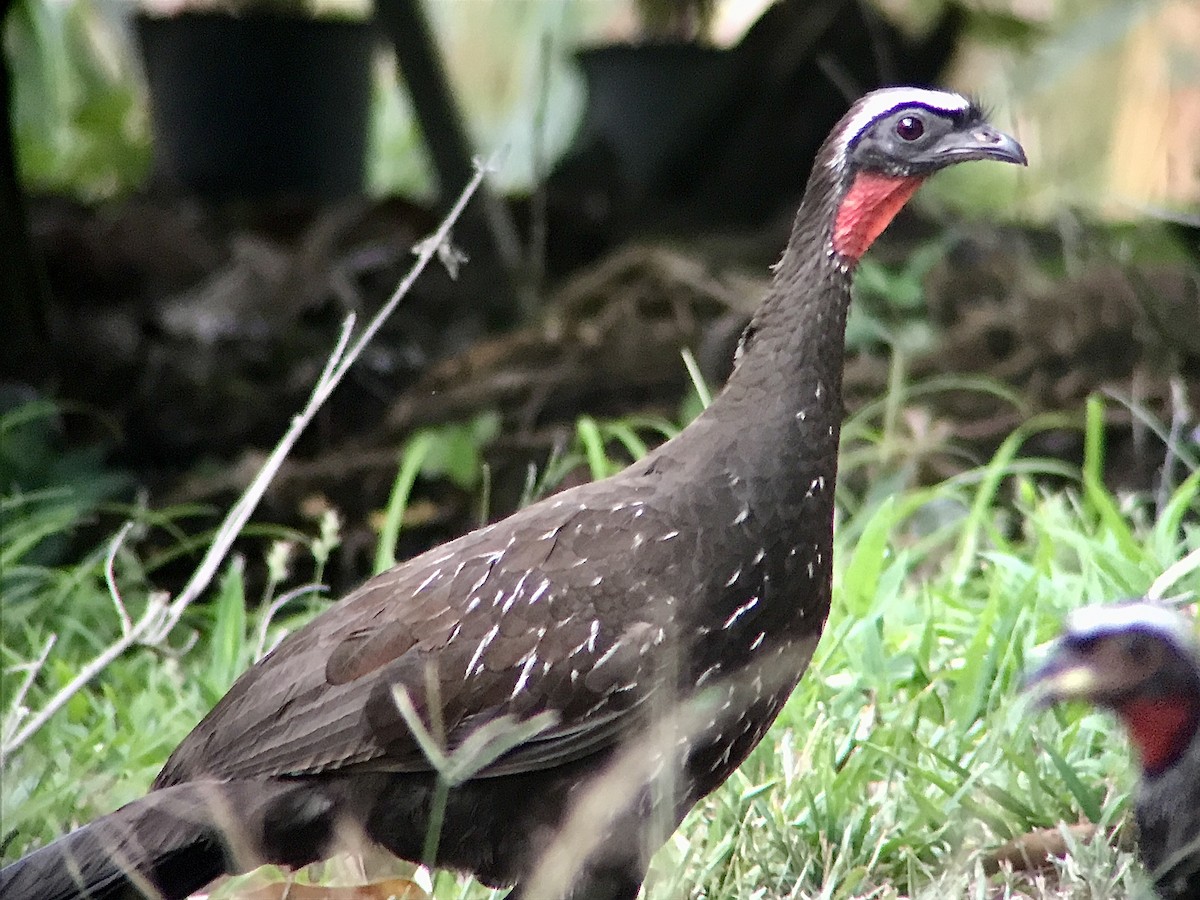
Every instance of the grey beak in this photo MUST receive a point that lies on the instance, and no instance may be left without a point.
(981, 142)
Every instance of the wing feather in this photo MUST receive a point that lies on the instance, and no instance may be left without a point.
(505, 621)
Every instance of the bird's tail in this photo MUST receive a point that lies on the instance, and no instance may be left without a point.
(174, 841)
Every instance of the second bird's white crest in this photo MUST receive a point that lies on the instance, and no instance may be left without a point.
(1097, 621)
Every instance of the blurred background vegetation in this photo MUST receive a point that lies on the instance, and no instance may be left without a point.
(1104, 93)
(1022, 386)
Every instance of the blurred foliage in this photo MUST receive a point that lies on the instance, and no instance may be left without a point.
(1062, 72)
(676, 19)
(46, 487)
(79, 117)
(325, 9)
(889, 303)
(397, 161)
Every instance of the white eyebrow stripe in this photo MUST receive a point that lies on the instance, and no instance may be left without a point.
(1098, 621)
(879, 103)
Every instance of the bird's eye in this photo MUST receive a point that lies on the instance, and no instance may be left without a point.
(910, 128)
(1139, 647)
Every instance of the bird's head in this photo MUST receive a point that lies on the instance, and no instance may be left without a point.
(1138, 659)
(887, 144)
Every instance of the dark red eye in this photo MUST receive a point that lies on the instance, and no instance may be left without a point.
(910, 128)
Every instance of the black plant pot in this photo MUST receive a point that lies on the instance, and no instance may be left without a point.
(650, 102)
(258, 106)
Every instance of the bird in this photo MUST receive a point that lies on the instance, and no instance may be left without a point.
(1141, 660)
(598, 661)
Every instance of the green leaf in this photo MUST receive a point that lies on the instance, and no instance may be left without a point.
(593, 447)
(1086, 797)
(412, 459)
(227, 656)
(861, 580)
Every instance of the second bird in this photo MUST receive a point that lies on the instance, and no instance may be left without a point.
(1143, 662)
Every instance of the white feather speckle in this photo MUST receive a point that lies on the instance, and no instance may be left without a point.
(541, 590)
(483, 645)
(606, 656)
(740, 611)
(524, 677)
(595, 631)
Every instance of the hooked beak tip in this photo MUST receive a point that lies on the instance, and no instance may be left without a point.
(985, 142)
(1007, 149)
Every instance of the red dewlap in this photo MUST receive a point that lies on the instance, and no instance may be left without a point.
(1161, 729)
(870, 204)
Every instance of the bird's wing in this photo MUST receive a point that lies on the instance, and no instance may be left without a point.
(501, 625)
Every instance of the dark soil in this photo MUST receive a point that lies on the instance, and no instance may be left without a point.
(198, 334)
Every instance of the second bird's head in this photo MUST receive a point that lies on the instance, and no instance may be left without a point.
(1140, 660)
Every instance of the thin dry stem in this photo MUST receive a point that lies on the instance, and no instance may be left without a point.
(16, 710)
(111, 580)
(160, 617)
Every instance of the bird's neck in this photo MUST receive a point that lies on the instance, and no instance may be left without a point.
(788, 378)
(765, 452)
(1162, 728)
(781, 410)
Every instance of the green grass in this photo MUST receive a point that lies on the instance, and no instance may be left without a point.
(904, 758)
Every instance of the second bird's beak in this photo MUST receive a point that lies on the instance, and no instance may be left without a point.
(977, 142)
(1062, 675)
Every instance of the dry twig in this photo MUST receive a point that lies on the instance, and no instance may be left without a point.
(161, 615)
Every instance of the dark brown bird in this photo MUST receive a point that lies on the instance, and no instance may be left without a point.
(654, 622)
(1142, 661)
